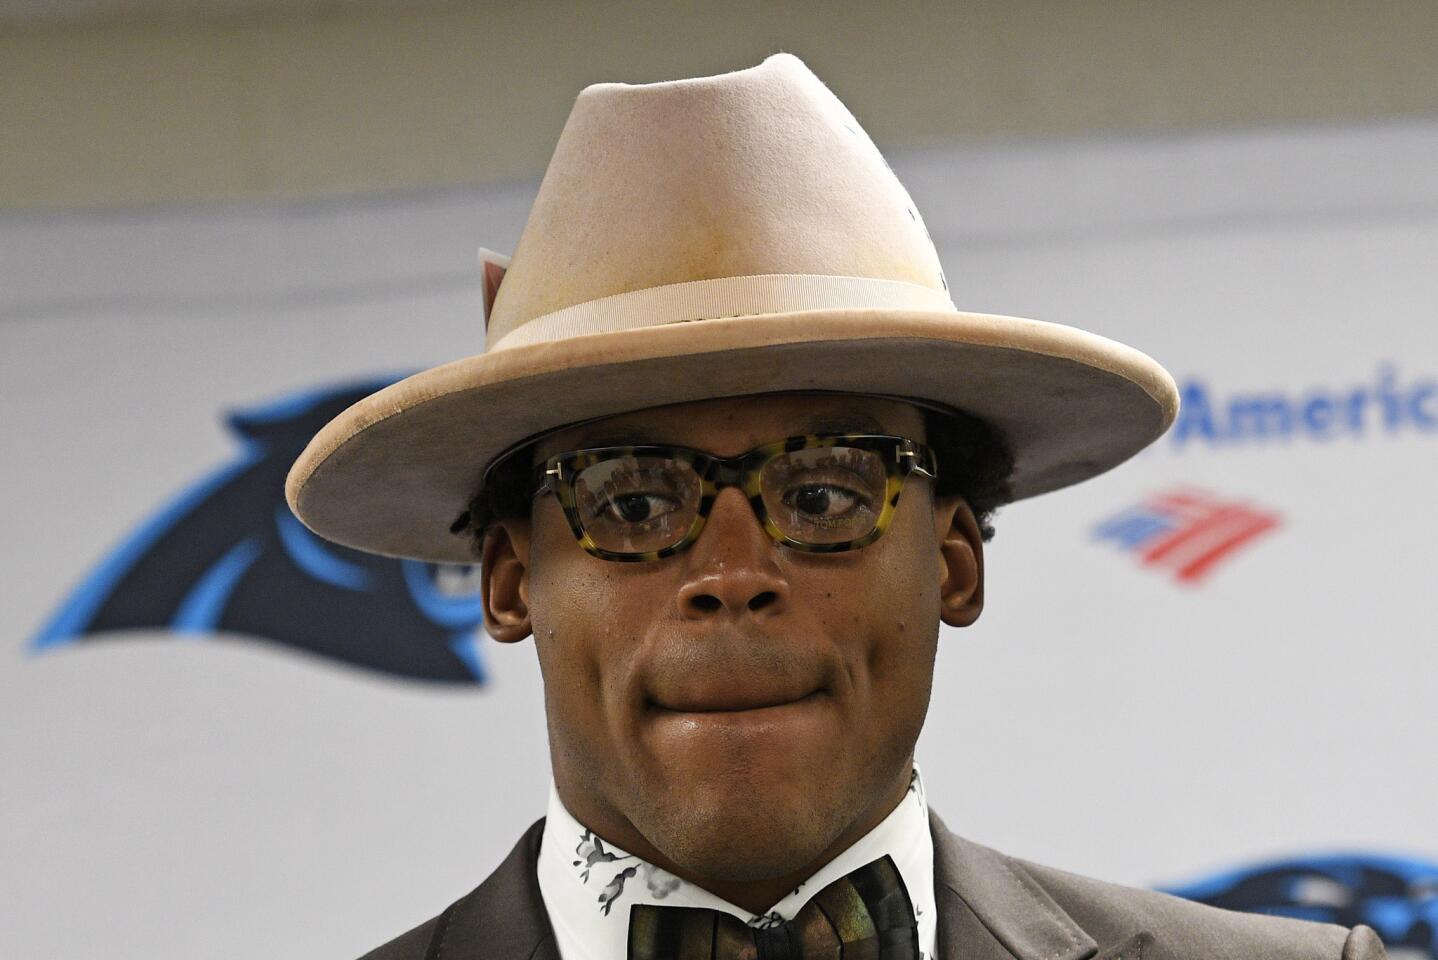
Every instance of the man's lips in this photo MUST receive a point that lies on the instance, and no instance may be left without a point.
(736, 701)
(782, 722)
(741, 678)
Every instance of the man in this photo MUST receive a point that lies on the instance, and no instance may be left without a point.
(730, 457)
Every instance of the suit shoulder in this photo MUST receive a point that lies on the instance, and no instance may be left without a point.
(505, 913)
(1185, 930)
(410, 945)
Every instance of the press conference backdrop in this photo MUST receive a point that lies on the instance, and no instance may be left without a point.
(1212, 670)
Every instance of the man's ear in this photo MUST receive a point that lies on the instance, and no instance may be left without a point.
(961, 561)
(504, 576)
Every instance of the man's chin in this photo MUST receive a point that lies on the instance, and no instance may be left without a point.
(783, 850)
(743, 831)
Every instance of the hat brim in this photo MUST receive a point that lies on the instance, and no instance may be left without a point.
(391, 473)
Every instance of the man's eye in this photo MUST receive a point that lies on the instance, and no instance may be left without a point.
(637, 507)
(823, 499)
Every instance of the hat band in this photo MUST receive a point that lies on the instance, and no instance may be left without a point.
(725, 297)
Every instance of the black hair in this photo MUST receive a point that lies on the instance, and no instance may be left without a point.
(973, 459)
(974, 462)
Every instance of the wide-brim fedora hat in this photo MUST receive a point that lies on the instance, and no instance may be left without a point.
(712, 237)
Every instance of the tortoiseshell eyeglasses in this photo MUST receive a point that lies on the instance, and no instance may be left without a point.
(820, 493)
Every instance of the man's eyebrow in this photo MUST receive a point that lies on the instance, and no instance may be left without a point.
(828, 423)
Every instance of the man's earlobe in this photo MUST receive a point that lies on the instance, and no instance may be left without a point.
(961, 561)
(504, 574)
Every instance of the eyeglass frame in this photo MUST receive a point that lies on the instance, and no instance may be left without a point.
(901, 457)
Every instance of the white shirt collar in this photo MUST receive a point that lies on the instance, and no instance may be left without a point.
(588, 884)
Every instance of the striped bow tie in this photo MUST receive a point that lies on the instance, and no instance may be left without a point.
(866, 915)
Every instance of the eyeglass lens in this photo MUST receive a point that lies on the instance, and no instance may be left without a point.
(820, 495)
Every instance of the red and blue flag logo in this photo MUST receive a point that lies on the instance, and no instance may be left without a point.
(1187, 532)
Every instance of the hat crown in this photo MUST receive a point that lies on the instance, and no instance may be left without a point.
(750, 201)
(757, 172)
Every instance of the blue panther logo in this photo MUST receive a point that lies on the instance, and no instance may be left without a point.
(1395, 896)
(228, 555)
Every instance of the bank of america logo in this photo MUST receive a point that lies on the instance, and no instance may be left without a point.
(1187, 532)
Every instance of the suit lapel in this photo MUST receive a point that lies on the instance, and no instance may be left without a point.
(991, 910)
(504, 917)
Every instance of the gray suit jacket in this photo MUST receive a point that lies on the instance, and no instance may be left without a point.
(991, 907)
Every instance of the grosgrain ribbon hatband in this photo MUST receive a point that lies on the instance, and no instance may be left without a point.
(725, 297)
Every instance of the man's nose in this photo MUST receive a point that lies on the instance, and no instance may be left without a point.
(732, 567)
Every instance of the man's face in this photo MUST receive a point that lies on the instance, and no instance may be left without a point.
(738, 705)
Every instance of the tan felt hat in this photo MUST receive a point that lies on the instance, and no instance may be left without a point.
(711, 237)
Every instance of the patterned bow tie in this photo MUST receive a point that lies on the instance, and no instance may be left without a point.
(866, 915)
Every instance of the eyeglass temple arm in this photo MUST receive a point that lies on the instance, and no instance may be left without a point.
(921, 458)
(543, 479)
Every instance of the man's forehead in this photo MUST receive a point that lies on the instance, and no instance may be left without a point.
(760, 418)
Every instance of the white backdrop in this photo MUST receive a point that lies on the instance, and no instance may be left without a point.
(166, 796)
